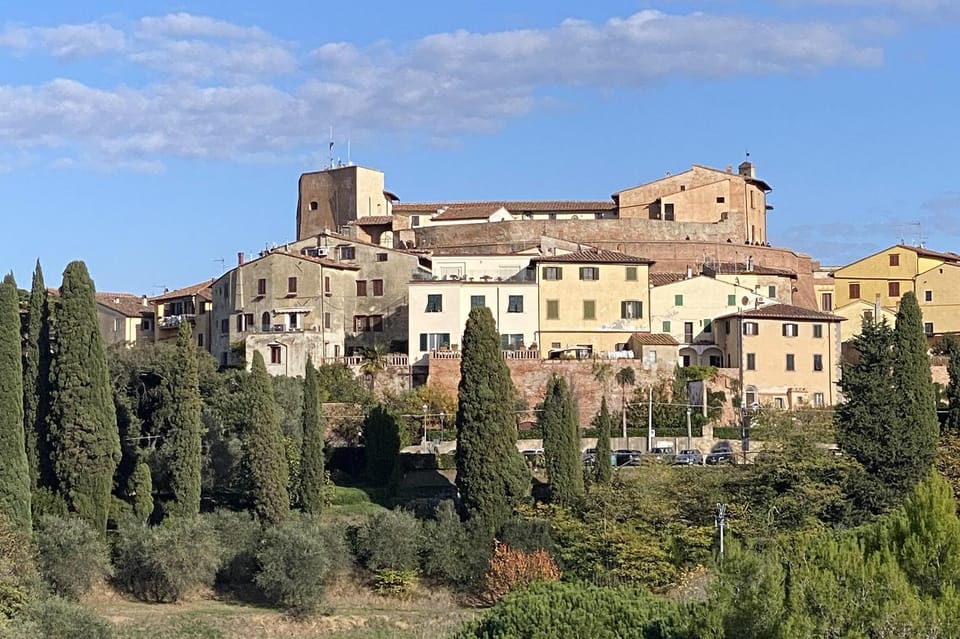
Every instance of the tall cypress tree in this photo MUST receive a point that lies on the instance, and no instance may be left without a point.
(602, 469)
(84, 440)
(952, 423)
(14, 474)
(381, 440)
(183, 431)
(265, 456)
(491, 474)
(916, 404)
(561, 444)
(36, 383)
(311, 459)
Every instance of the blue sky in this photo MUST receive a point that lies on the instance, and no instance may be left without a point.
(157, 145)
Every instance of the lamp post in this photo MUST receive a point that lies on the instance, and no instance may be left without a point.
(443, 420)
(720, 520)
(690, 429)
(423, 442)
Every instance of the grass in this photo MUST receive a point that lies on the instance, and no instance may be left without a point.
(352, 501)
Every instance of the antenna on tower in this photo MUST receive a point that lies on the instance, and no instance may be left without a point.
(349, 163)
(222, 263)
(331, 147)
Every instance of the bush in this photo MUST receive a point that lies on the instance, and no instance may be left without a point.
(57, 618)
(453, 552)
(164, 563)
(512, 569)
(19, 579)
(72, 555)
(390, 539)
(237, 536)
(294, 561)
(395, 583)
(527, 535)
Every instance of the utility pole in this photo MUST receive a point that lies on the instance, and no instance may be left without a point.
(650, 419)
(720, 521)
(689, 429)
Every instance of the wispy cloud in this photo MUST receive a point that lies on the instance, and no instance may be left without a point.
(220, 89)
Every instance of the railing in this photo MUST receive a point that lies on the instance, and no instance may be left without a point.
(518, 354)
(392, 359)
(173, 321)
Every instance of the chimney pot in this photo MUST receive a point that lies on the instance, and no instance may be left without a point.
(239, 258)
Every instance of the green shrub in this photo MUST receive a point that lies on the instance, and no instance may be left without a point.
(527, 535)
(390, 539)
(237, 535)
(395, 583)
(57, 618)
(72, 555)
(44, 501)
(164, 563)
(455, 553)
(294, 562)
(19, 580)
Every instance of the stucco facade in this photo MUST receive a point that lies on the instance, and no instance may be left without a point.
(858, 311)
(189, 304)
(330, 199)
(124, 318)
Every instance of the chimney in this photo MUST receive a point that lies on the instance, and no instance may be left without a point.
(239, 258)
(116, 300)
(689, 271)
(143, 300)
(729, 168)
(746, 169)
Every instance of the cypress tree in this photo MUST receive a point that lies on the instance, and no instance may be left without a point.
(312, 478)
(381, 441)
(265, 455)
(601, 465)
(36, 383)
(561, 444)
(915, 407)
(182, 447)
(14, 474)
(952, 423)
(491, 474)
(84, 440)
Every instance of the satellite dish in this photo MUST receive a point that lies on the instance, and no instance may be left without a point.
(745, 301)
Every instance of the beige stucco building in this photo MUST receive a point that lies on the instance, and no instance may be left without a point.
(189, 304)
(787, 356)
(124, 318)
(592, 300)
(859, 311)
(332, 198)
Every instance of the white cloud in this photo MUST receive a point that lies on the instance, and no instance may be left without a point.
(217, 92)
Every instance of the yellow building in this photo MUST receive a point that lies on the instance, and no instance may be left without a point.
(859, 311)
(592, 301)
(189, 304)
(787, 356)
(124, 318)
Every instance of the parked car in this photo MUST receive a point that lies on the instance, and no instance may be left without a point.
(662, 453)
(689, 457)
(627, 457)
(721, 452)
(533, 456)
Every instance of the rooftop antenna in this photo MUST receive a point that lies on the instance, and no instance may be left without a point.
(349, 162)
(920, 240)
(331, 147)
(222, 263)
(159, 287)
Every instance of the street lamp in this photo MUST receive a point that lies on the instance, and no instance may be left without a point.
(443, 420)
(423, 442)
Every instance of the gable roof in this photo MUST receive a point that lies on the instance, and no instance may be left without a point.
(201, 289)
(662, 279)
(593, 256)
(371, 220)
(124, 303)
(728, 174)
(655, 339)
(468, 212)
(785, 311)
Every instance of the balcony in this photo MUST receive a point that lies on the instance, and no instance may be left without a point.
(173, 321)
(518, 354)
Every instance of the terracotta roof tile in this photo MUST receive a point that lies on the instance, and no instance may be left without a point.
(371, 220)
(468, 212)
(593, 256)
(785, 311)
(662, 279)
(655, 339)
(546, 206)
(124, 303)
(201, 289)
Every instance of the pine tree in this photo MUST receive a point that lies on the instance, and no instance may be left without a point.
(952, 423)
(491, 474)
(381, 441)
(915, 407)
(561, 444)
(183, 430)
(36, 384)
(14, 473)
(601, 464)
(265, 456)
(84, 440)
(312, 479)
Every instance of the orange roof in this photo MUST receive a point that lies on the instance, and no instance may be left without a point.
(785, 311)
(593, 256)
(655, 339)
(124, 303)
(202, 289)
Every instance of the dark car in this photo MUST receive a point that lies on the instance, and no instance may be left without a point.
(689, 457)
(720, 453)
(627, 457)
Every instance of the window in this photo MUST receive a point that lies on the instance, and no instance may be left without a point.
(868, 316)
(203, 308)
(276, 354)
(751, 328)
(826, 301)
(368, 323)
(478, 300)
(224, 326)
(378, 288)
(685, 360)
(515, 304)
(554, 344)
(434, 303)
(666, 326)
(818, 330)
(716, 361)
(552, 273)
(589, 309)
(144, 325)
(720, 199)
(726, 326)
(678, 300)
(854, 291)
(261, 286)
(326, 285)
(631, 274)
(551, 216)
(553, 309)
(772, 290)
(314, 205)
(790, 362)
(118, 324)
(200, 340)
(818, 400)
(589, 273)
(240, 322)
(790, 329)
(777, 401)
(928, 328)
(265, 322)
(707, 326)
(894, 259)
(511, 342)
(327, 320)
(668, 212)
(415, 221)
(291, 285)
(348, 253)
(248, 321)
(382, 257)
(731, 300)
(433, 341)
(751, 361)
(817, 362)
(631, 309)
(893, 289)
(293, 321)
(361, 288)
(928, 296)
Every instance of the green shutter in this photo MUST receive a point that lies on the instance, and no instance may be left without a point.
(678, 300)
(666, 326)
(731, 300)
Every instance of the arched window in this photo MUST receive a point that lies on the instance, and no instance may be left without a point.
(265, 322)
